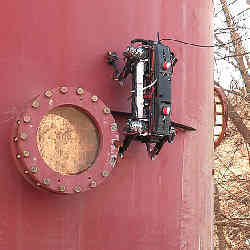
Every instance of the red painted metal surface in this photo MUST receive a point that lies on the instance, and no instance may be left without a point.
(26, 153)
(143, 205)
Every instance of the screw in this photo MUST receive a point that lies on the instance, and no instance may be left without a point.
(26, 171)
(36, 104)
(48, 93)
(46, 181)
(77, 189)
(94, 98)
(79, 91)
(93, 184)
(106, 110)
(15, 139)
(105, 173)
(34, 170)
(64, 90)
(18, 156)
(26, 154)
(23, 136)
(61, 188)
(26, 118)
(113, 127)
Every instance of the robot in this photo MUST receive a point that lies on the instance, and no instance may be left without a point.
(151, 65)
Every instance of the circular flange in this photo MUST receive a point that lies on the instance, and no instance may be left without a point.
(29, 154)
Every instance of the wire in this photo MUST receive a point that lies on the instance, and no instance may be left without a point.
(191, 44)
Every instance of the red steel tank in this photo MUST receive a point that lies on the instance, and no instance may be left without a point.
(51, 65)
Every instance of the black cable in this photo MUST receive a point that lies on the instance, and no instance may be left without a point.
(192, 44)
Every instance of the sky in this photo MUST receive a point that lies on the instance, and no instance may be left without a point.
(224, 71)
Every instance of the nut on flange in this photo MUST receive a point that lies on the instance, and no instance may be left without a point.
(26, 118)
(34, 170)
(106, 110)
(77, 189)
(94, 98)
(46, 181)
(93, 184)
(114, 126)
(26, 154)
(79, 91)
(36, 104)
(105, 173)
(61, 188)
(48, 93)
(64, 90)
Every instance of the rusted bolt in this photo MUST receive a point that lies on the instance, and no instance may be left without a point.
(113, 126)
(64, 90)
(94, 98)
(34, 170)
(93, 184)
(15, 139)
(18, 156)
(36, 104)
(26, 171)
(48, 93)
(79, 91)
(46, 181)
(61, 188)
(23, 136)
(26, 154)
(77, 189)
(26, 118)
(106, 110)
(18, 122)
(105, 173)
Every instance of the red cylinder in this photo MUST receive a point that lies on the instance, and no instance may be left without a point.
(143, 204)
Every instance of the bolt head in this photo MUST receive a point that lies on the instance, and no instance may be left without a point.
(36, 104)
(61, 188)
(48, 93)
(15, 139)
(26, 171)
(34, 170)
(79, 91)
(77, 189)
(93, 184)
(105, 173)
(26, 118)
(64, 90)
(23, 136)
(46, 181)
(18, 122)
(38, 184)
(18, 156)
(26, 154)
(106, 110)
(94, 98)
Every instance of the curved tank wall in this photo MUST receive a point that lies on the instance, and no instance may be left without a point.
(143, 205)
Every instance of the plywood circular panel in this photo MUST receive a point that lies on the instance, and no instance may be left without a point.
(64, 141)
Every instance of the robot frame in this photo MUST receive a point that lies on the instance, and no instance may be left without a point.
(150, 64)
